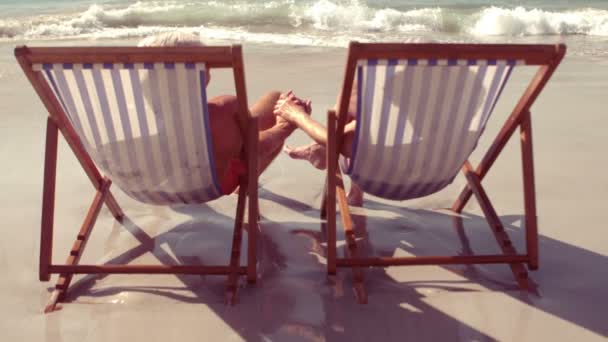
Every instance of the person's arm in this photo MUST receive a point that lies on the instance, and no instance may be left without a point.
(318, 133)
(291, 109)
(274, 136)
(312, 128)
(297, 112)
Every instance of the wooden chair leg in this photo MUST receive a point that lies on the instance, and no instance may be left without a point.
(254, 209)
(529, 191)
(252, 232)
(324, 201)
(330, 203)
(519, 271)
(48, 200)
(114, 207)
(351, 243)
(235, 254)
(63, 283)
(52, 303)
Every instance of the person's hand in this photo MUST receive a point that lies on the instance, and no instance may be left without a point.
(289, 107)
(306, 104)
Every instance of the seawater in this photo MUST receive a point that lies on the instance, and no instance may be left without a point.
(315, 22)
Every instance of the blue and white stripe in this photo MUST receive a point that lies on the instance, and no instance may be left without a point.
(419, 120)
(145, 125)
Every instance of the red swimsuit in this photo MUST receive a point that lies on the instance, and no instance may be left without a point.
(230, 181)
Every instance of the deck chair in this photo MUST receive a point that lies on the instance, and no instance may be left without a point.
(421, 109)
(138, 117)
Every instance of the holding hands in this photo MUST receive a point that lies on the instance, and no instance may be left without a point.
(289, 108)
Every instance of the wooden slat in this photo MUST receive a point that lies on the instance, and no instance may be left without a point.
(48, 200)
(347, 221)
(347, 86)
(351, 241)
(431, 260)
(213, 56)
(241, 88)
(145, 269)
(235, 252)
(331, 192)
(531, 54)
(529, 191)
(252, 183)
(323, 211)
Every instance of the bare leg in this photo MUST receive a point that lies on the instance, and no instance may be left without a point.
(262, 109)
(355, 196)
(314, 153)
(273, 132)
(292, 110)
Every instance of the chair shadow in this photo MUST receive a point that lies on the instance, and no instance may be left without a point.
(287, 202)
(198, 290)
(568, 283)
(557, 285)
(294, 299)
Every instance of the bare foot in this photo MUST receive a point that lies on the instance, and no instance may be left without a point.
(314, 153)
(355, 196)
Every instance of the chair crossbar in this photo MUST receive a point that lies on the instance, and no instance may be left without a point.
(532, 54)
(439, 62)
(214, 56)
(118, 66)
(148, 269)
(432, 260)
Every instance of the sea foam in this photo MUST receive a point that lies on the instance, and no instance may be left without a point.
(523, 22)
(321, 22)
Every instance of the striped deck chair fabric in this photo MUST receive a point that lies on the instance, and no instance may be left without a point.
(146, 125)
(418, 120)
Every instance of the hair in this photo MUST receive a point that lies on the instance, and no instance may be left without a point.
(173, 38)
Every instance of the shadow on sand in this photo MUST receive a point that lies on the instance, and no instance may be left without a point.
(295, 300)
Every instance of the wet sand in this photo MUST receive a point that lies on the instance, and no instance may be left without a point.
(294, 300)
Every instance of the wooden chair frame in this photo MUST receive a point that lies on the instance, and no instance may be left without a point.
(214, 57)
(547, 57)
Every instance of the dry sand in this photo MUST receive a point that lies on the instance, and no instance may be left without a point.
(294, 300)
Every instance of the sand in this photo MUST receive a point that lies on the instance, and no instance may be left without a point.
(294, 300)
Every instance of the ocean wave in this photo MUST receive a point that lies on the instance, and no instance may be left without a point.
(496, 21)
(327, 15)
(303, 20)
